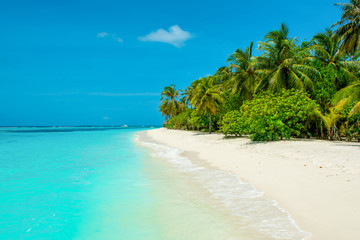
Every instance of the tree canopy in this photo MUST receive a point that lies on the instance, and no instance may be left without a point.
(291, 88)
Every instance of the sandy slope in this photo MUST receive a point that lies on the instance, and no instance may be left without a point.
(318, 182)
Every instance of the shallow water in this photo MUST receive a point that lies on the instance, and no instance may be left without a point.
(99, 183)
(241, 209)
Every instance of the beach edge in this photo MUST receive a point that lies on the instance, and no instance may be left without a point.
(315, 193)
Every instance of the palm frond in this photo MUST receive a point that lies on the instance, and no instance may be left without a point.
(353, 91)
(355, 110)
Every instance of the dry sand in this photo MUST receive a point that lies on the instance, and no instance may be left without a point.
(317, 182)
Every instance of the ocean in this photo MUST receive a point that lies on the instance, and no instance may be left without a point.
(112, 183)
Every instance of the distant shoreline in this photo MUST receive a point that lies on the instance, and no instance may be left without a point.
(315, 181)
(79, 126)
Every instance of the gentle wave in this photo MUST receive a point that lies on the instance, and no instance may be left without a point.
(241, 199)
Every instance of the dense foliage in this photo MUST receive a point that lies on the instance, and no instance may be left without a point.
(291, 89)
(272, 116)
(191, 120)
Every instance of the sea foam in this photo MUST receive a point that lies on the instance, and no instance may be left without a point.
(242, 200)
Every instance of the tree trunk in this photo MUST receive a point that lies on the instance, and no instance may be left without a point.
(322, 135)
(347, 132)
(210, 124)
(330, 135)
(336, 133)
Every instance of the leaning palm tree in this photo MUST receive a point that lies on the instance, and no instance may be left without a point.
(170, 104)
(326, 47)
(207, 97)
(351, 91)
(349, 26)
(283, 65)
(189, 92)
(330, 119)
(246, 76)
(223, 76)
(355, 110)
(349, 69)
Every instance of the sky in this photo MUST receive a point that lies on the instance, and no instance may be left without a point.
(106, 62)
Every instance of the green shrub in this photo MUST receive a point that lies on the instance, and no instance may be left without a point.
(233, 124)
(190, 119)
(325, 87)
(198, 121)
(179, 121)
(271, 116)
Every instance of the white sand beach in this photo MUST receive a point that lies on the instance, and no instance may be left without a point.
(316, 181)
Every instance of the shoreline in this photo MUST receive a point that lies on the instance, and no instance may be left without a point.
(315, 181)
(227, 193)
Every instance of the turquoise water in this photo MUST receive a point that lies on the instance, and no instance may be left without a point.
(105, 183)
(70, 184)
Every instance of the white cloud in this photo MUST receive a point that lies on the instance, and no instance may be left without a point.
(106, 118)
(102, 34)
(175, 36)
(113, 36)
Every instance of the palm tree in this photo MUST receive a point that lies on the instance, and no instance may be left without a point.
(349, 26)
(329, 119)
(223, 76)
(283, 66)
(170, 104)
(338, 60)
(326, 49)
(190, 91)
(355, 110)
(207, 97)
(246, 76)
(350, 91)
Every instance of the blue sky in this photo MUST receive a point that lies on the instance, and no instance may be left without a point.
(106, 62)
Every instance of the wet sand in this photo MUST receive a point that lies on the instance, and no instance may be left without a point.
(317, 182)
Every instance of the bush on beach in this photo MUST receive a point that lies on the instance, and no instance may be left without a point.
(272, 116)
(191, 120)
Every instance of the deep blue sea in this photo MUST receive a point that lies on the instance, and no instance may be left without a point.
(101, 183)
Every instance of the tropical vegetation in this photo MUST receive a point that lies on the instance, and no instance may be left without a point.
(290, 89)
